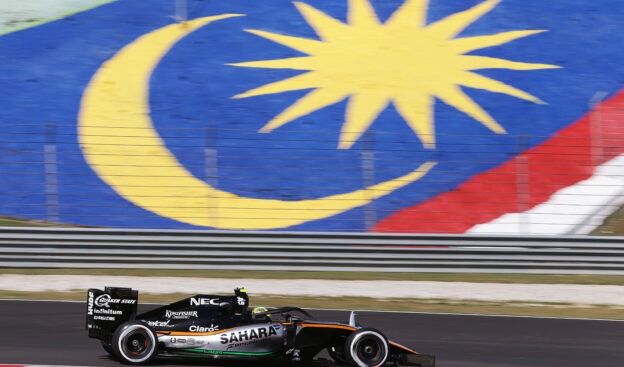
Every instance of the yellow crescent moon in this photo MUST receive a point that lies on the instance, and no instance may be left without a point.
(120, 143)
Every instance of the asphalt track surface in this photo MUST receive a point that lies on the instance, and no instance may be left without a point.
(52, 333)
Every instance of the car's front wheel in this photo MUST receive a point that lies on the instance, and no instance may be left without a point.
(134, 342)
(366, 348)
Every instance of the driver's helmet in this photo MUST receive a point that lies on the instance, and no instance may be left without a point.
(257, 310)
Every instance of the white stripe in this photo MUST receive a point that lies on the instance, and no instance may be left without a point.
(19, 13)
(576, 209)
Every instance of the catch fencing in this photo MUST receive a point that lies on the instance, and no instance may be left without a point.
(287, 251)
(46, 178)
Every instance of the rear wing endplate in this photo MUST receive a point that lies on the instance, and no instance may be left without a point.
(108, 308)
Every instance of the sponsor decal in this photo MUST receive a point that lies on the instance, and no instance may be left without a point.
(204, 301)
(204, 329)
(189, 341)
(241, 301)
(178, 315)
(104, 318)
(90, 304)
(105, 300)
(107, 311)
(158, 323)
(248, 335)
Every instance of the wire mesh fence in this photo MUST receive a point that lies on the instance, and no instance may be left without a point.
(47, 176)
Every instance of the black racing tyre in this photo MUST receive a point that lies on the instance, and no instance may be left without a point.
(134, 342)
(108, 347)
(366, 348)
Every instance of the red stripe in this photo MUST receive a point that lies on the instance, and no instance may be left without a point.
(563, 160)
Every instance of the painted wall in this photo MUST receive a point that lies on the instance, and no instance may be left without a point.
(340, 115)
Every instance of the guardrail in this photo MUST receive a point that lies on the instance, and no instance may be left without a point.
(117, 248)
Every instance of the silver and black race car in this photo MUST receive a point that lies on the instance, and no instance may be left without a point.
(226, 327)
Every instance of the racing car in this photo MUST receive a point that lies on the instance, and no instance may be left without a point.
(226, 327)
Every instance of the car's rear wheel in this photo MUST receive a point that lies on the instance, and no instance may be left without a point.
(366, 348)
(108, 347)
(134, 342)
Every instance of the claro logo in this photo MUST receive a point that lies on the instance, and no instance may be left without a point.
(180, 314)
(204, 329)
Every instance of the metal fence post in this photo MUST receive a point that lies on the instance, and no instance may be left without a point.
(212, 174)
(595, 123)
(181, 10)
(368, 178)
(51, 174)
(522, 185)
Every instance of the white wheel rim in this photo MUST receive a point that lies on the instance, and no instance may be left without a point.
(145, 331)
(354, 351)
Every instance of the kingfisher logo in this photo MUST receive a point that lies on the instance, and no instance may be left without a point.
(177, 315)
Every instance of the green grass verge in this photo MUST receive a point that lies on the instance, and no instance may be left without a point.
(612, 226)
(251, 274)
(17, 222)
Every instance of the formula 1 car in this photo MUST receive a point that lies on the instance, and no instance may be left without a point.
(225, 327)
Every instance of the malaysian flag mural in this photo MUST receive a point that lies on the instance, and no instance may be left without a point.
(423, 116)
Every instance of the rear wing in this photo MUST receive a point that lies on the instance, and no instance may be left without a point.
(108, 308)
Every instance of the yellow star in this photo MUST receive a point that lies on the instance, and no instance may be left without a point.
(402, 61)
